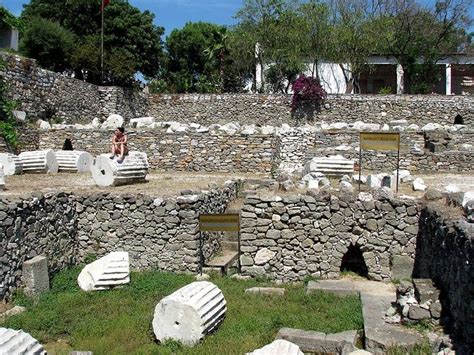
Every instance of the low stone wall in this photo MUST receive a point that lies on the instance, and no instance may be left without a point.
(445, 253)
(276, 109)
(35, 226)
(158, 234)
(296, 236)
(211, 152)
(217, 151)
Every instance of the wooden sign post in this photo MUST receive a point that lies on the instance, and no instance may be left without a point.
(379, 141)
(218, 223)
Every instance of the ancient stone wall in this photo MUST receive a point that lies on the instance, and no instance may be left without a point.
(60, 98)
(217, 151)
(212, 152)
(275, 109)
(297, 236)
(157, 233)
(445, 253)
(35, 226)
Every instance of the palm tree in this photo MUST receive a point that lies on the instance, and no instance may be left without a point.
(217, 51)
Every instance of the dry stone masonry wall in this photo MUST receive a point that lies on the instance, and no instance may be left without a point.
(54, 96)
(445, 253)
(48, 94)
(296, 236)
(218, 151)
(157, 233)
(210, 152)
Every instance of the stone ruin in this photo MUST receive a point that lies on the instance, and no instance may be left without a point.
(190, 313)
(110, 271)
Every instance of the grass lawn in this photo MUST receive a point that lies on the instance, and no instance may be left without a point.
(119, 321)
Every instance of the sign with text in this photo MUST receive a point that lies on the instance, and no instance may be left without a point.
(219, 222)
(380, 141)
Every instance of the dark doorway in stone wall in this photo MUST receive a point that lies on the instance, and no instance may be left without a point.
(353, 261)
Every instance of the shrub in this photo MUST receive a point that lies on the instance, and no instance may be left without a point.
(307, 90)
(386, 90)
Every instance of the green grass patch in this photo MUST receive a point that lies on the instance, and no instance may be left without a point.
(120, 321)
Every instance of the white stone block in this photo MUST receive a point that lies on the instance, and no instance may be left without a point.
(39, 161)
(19, 115)
(105, 273)
(278, 347)
(190, 313)
(419, 185)
(431, 127)
(142, 122)
(112, 122)
(332, 165)
(263, 256)
(108, 172)
(374, 181)
(452, 188)
(11, 164)
(75, 161)
(468, 196)
(346, 187)
(43, 124)
(14, 342)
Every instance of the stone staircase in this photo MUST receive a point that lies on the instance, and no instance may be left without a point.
(228, 258)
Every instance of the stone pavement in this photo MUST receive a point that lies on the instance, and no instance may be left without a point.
(376, 298)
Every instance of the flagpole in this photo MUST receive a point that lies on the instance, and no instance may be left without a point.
(102, 46)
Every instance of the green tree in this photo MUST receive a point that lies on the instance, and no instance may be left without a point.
(132, 43)
(354, 38)
(317, 35)
(49, 43)
(418, 37)
(197, 55)
(273, 25)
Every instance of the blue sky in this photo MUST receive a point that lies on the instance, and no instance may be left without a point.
(175, 13)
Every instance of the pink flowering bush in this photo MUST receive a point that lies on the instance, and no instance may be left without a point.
(307, 91)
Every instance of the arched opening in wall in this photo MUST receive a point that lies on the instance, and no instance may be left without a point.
(458, 119)
(353, 261)
(67, 144)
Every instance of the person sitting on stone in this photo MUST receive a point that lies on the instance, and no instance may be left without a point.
(119, 144)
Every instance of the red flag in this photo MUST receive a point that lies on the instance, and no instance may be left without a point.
(104, 4)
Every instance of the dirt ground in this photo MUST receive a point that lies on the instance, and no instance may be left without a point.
(170, 184)
(157, 184)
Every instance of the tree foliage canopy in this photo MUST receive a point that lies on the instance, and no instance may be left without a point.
(132, 43)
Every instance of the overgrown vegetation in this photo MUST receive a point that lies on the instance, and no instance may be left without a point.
(119, 321)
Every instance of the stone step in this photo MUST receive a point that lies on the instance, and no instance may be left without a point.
(230, 245)
(222, 262)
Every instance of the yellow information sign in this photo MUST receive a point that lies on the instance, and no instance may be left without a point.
(380, 141)
(219, 223)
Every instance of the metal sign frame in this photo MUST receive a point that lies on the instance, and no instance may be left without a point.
(389, 141)
(218, 223)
